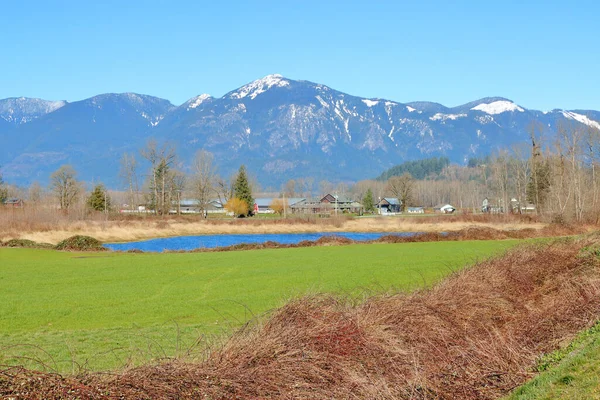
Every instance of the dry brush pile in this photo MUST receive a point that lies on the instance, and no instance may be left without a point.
(476, 335)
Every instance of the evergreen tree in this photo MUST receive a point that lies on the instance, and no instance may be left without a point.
(368, 201)
(99, 200)
(242, 191)
(3, 190)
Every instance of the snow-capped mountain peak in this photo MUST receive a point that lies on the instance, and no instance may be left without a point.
(196, 101)
(259, 86)
(497, 107)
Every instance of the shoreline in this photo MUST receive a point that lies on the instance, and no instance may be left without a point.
(128, 231)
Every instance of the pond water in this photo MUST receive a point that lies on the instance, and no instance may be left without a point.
(212, 241)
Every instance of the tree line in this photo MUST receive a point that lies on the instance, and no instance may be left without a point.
(555, 176)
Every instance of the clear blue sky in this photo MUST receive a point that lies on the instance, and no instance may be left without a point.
(542, 55)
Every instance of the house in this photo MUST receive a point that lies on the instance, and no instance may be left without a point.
(328, 204)
(192, 206)
(264, 203)
(14, 202)
(389, 205)
(444, 209)
(415, 210)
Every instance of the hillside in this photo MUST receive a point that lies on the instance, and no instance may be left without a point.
(280, 128)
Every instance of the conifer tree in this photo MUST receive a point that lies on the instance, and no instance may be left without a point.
(242, 191)
(368, 201)
(99, 200)
(3, 190)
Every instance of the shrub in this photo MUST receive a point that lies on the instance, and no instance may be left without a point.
(80, 243)
(25, 243)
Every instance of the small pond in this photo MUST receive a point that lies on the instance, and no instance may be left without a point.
(212, 241)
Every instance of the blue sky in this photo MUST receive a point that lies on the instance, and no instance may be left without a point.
(542, 55)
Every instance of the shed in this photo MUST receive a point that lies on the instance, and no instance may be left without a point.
(14, 202)
(389, 205)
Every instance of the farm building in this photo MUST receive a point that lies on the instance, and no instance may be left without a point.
(389, 205)
(328, 204)
(14, 202)
(415, 210)
(192, 206)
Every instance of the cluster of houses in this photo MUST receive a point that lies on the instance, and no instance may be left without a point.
(323, 206)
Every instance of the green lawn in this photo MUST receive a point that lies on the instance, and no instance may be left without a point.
(574, 377)
(104, 309)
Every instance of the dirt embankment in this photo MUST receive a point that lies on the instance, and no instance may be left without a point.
(476, 335)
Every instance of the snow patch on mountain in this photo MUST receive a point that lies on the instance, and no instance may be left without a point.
(498, 107)
(581, 118)
(444, 117)
(410, 109)
(153, 121)
(22, 109)
(259, 86)
(323, 102)
(196, 101)
(370, 103)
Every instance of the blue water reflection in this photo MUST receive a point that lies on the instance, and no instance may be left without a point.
(211, 241)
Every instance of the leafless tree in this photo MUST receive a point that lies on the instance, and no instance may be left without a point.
(35, 193)
(65, 186)
(128, 175)
(402, 187)
(203, 180)
(161, 183)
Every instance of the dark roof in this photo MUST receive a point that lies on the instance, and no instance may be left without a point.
(392, 201)
(332, 198)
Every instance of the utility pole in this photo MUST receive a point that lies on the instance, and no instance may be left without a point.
(336, 204)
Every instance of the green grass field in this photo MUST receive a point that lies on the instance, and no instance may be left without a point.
(102, 310)
(573, 376)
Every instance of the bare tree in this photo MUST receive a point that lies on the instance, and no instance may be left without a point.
(519, 167)
(500, 178)
(160, 178)
(35, 193)
(401, 187)
(290, 188)
(203, 180)
(65, 187)
(224, 189)
(128, 175)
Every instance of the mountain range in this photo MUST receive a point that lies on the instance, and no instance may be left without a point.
(279, 128)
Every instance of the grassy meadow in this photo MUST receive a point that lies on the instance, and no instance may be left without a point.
(63, 311)
(568, 373)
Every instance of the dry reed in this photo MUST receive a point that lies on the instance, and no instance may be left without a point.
(51, 226)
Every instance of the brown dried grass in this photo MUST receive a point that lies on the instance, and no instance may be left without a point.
(475, 335)
(51, 226)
